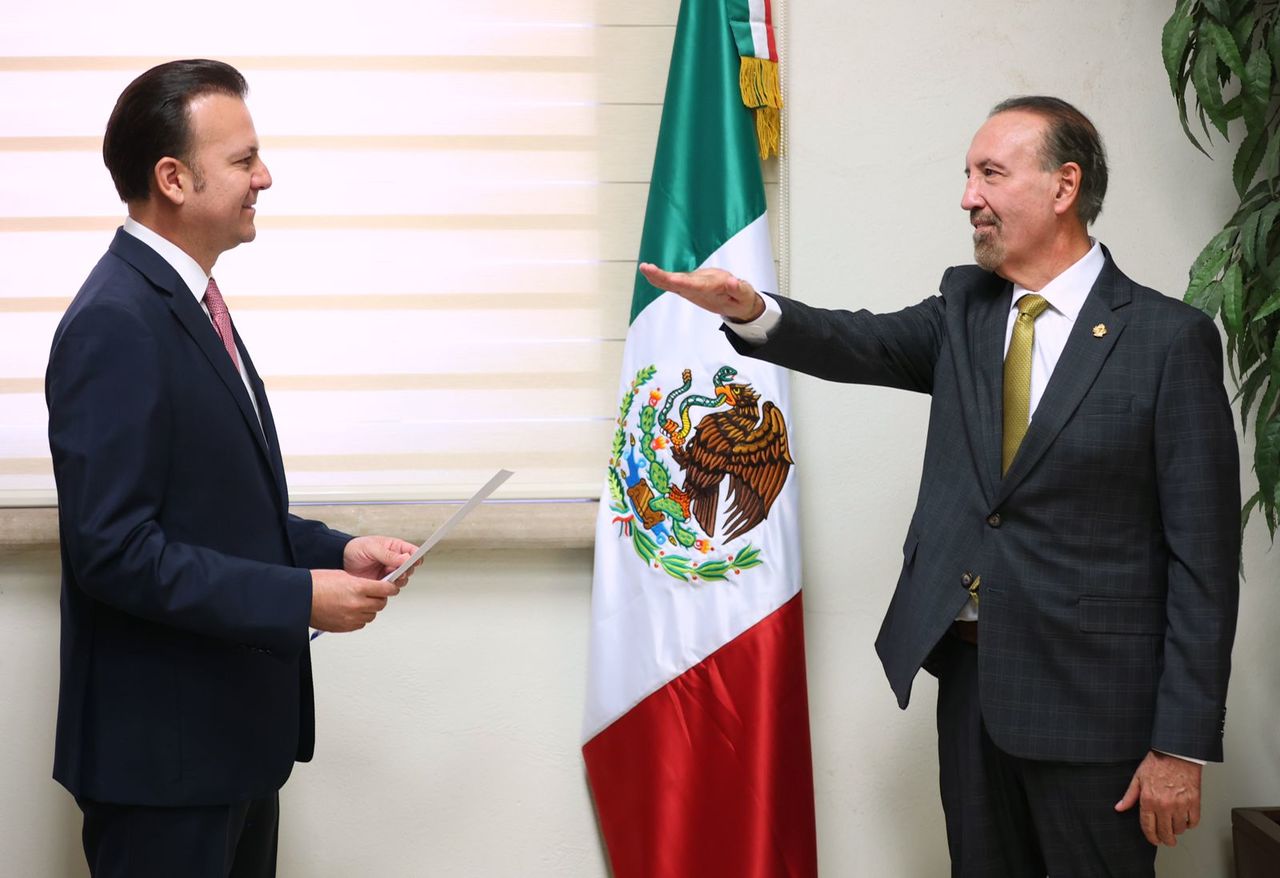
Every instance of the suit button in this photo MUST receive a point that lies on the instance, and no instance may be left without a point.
(994, 519)
(966, 580)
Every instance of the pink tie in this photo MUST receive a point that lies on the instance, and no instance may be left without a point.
(221, 320)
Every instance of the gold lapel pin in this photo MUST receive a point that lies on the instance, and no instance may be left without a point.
(1100, 330)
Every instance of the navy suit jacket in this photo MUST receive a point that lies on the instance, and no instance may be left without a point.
(1108, 553)
(185, 671)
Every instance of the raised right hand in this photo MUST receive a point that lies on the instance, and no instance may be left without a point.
(714, 289)
(342, 602)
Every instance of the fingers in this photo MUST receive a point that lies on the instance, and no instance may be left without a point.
(343, 602)
(1164, 829)
(1147, 819)
(1130, 797)
(657, 276)
(1168, 789)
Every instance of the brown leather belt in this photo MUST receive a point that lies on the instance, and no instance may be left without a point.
(966, 631)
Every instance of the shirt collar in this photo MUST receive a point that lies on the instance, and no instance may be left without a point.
(187, 268)
(1066, 292)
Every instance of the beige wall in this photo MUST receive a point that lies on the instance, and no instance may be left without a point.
(448, 732)
(883, 105)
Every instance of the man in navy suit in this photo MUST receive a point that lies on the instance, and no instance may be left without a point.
(187, 586)
(1070, 571)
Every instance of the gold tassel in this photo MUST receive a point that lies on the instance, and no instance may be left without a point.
(758, 81)
(768, 130)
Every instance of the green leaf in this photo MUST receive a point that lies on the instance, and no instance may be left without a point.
(1218, 9)
(1271, 162)
(1232, 300)
(1255, 198)
(1182, 117)
(676, 566)
(1268, 308)
(1204, 292)
(1252, 346)
(1249, 159)
(1244, 25)
(712, 571)
(1224, 240)
(1266, 221)
(1275, 361)
(1247, 510)
(644, 544)
(1249, 238)
(747, 557)
(1266, 458)
(1266, 408)
(1175, 44)
(1273, 44)
(1232, 293)
(1248, 393)
(1233, 109)
(1204, 77)
(1255, 89)
(1225, 44)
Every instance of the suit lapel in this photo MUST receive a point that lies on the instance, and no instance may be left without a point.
(197, 325)
(268, 424)
(1077, 368)
(989, 357)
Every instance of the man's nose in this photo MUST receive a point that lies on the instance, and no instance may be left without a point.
(262, 179)
(971, 198)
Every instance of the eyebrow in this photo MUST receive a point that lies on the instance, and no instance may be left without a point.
(985, 163)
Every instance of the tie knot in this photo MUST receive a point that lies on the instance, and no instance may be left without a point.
(1030, 304)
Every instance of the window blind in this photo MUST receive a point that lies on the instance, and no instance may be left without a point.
(444, 263)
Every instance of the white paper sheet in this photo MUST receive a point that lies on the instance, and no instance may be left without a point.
(443, 530)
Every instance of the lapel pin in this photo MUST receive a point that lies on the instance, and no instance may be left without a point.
(1100, 330)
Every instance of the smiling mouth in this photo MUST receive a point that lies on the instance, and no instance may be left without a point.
(981, 222)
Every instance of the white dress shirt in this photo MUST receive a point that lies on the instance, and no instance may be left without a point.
(1065, 294)
(196, 280)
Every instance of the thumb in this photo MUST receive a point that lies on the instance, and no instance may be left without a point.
(1130, 797)
(384, 554)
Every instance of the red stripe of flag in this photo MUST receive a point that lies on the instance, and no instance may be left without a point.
(711, 776)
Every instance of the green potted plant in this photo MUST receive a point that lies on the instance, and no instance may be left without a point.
(1212, 49)
(1215, 48)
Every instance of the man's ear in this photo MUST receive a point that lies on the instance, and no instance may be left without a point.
(172, 180)
(1067, 188)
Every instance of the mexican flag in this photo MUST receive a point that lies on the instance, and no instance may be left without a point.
(697, 727)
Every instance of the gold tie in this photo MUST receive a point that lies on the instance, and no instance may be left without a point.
(1017, 376)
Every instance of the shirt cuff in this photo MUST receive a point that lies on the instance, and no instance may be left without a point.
(757, 331)
(1183, 758)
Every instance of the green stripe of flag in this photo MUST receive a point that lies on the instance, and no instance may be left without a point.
(706, 184)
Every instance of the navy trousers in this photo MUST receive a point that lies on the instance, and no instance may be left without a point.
(1018, 818)
(216, 841)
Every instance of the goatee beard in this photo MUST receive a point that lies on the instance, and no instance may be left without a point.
(988, 252)
(988, 249)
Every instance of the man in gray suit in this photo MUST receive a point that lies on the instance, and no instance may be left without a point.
(1070, 572)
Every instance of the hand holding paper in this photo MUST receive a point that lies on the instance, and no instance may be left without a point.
(371, 556)
(377, 557)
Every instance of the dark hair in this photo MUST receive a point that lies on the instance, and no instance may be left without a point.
(151, 119)
(1069, 137)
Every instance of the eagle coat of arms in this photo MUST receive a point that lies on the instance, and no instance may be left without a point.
(672, 526)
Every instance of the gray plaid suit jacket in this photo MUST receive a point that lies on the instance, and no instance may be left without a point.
(1109, 551)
